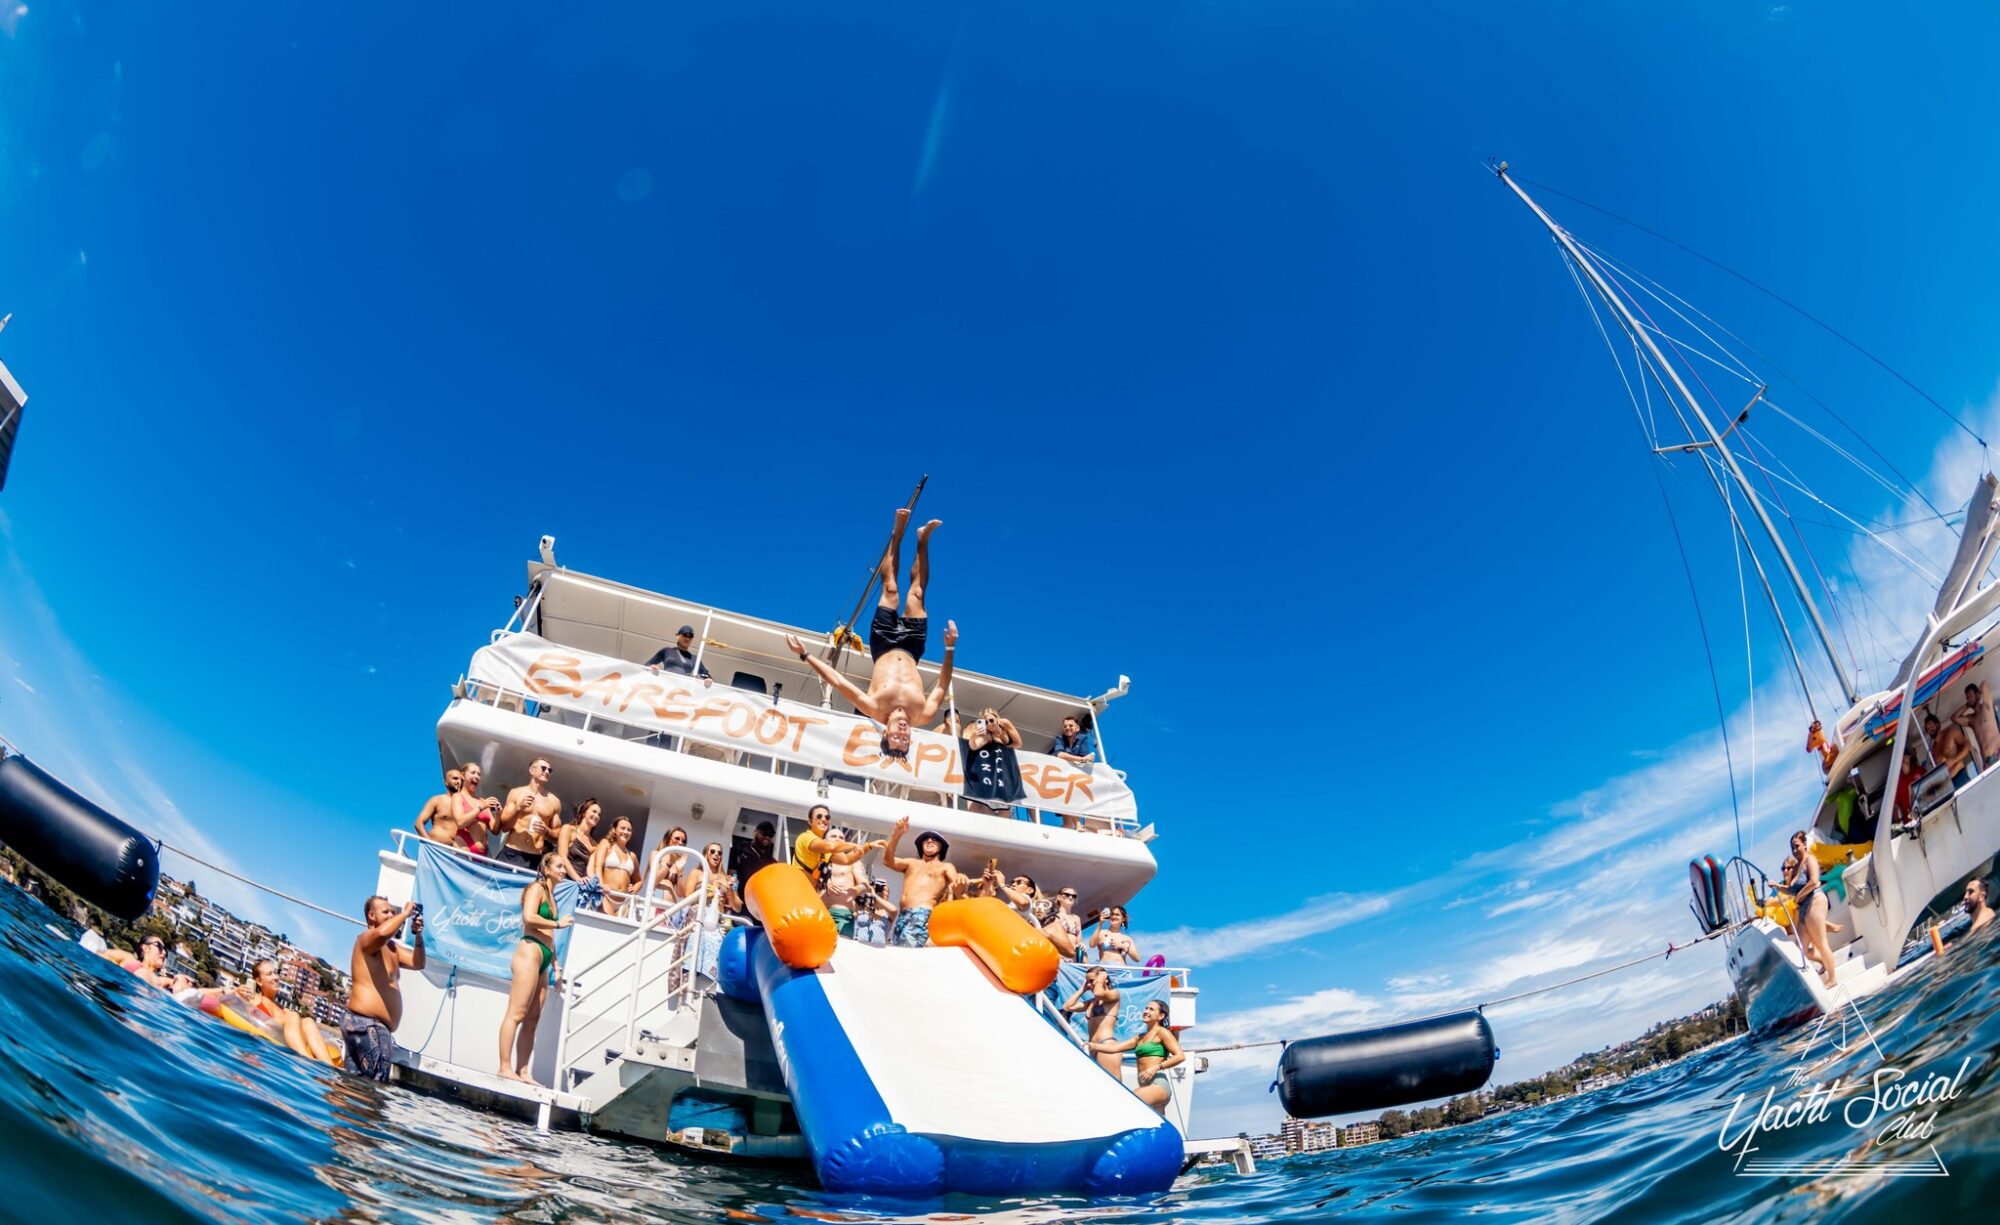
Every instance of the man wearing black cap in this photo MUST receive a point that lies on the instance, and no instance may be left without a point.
(927, 881)
(760, 854)
(680, 658)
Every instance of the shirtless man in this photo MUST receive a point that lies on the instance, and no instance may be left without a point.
(531, 812)
(1976, 716)
(926, 882)
(439, 819)
(1976, 904)
(260, 993)
(895, 697)
(1952, 747)
(375, 1004)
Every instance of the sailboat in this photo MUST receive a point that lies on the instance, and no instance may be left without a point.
(1891, 849)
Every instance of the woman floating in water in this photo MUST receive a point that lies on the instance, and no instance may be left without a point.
(534, 954)
(1156, 1050)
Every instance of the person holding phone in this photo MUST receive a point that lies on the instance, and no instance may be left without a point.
(375, 1001)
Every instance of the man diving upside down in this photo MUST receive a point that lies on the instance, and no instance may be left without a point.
(895, 696)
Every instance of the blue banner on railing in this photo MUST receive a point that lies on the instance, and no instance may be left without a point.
(1136, 989)
(472, 910)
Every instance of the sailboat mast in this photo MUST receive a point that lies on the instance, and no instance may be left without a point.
(1617, 303)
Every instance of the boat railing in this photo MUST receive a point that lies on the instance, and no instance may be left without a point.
(1177, 977)
(688, 919)
(486, 693)
(403, 837)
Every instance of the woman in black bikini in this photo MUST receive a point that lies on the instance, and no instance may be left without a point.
(1802, 880)
(534, 954)
(1101, 1013)
(574, 842)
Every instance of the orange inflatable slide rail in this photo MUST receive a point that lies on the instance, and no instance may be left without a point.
(1020, 957)
(797, 923)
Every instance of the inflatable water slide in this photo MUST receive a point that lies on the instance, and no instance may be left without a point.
(915, 1072)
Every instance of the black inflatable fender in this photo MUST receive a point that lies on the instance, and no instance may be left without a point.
(1393, 1066)
(104, 860)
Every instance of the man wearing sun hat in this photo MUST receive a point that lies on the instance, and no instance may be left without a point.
(927, 880)
(679, 657)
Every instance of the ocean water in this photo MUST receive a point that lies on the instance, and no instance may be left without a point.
(117, 1104)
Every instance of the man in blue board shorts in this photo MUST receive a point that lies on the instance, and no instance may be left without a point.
(927, 880)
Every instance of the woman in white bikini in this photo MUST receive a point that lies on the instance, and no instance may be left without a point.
(615, 864)
(1111, 941)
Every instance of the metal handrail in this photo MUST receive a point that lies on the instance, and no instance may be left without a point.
(402, 837)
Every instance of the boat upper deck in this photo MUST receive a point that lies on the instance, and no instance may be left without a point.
(565, 679)
(605, 617)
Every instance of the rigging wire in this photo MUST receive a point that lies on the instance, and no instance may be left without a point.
(1687, 567)
(1774, 296)
(1790, 478)
(1749, 669)
(1648, 368)
(1910, 487)
(1825, 587)
(1505, 999)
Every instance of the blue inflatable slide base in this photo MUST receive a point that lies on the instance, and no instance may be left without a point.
(913, 1074)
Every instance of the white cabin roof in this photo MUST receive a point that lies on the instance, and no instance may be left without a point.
(626, 622)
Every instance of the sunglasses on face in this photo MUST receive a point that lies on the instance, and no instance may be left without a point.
(1066, 893)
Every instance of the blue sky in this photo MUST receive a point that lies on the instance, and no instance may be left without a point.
(1204, 315)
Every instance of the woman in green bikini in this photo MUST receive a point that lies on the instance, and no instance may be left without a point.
(1156, 1049)
(533, 956)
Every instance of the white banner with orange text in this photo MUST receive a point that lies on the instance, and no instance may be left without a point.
(628, 693)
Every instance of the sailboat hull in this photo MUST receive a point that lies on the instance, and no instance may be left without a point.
(1771, 979)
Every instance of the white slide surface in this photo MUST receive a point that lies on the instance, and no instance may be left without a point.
(951, 1052)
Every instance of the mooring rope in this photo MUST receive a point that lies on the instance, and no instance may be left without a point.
(1505, 999)
(296, 901)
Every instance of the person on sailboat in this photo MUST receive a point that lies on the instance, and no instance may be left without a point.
(1809, 899)
(1976, 716)
(1953, 747)
(895, 695)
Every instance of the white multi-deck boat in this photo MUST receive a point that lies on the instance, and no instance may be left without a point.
(1885, 866)
(638, 1041)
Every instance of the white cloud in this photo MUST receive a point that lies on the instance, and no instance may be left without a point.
(1201, 946)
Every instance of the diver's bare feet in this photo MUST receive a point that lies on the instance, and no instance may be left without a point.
(902, 521)
(924, 532)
